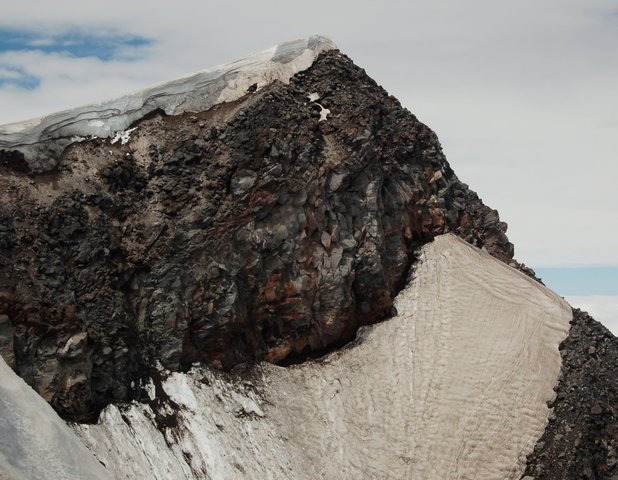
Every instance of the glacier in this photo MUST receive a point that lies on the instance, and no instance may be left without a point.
(456, 385)
(41, 140)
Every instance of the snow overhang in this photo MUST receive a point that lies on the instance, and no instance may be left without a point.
(41, 140)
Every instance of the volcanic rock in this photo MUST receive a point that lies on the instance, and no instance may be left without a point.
(455, 386)
(252, 230)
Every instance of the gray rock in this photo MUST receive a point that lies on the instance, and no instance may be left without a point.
(74, 346)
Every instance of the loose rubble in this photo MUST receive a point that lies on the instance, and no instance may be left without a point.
(581, 439)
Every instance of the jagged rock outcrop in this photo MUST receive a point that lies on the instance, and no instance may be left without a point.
(270, 228)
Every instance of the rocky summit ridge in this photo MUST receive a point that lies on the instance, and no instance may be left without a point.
(36, 144)
(263, 210)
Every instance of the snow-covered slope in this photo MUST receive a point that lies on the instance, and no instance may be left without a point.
(35, 444)
(455, 386)
(42, 138)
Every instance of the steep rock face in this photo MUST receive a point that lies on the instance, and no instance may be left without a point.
(267, 228)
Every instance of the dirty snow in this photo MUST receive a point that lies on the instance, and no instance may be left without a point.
(455, 386)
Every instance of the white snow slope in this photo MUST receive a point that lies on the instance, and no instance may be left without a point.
(454, 387)
(35, 444)
(41, 137)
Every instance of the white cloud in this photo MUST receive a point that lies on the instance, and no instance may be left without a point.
(521, 94)
(41, 42)
(67, 82)
(602, 308)
(7, 74)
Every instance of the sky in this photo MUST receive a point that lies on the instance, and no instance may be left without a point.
(523, 95)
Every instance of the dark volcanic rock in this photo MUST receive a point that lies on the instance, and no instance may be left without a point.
(581, 439)
(252, 231)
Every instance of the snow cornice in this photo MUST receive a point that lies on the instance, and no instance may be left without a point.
(41, 140)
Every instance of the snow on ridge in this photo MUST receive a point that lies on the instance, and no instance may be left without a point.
(455, 386)
(40, 138)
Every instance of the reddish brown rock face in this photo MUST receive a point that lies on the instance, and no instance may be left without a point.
(252, 231)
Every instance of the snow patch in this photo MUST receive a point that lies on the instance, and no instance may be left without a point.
(123, 136)
(35, 442)
(324, 112)
(150, 389)
(177, 387)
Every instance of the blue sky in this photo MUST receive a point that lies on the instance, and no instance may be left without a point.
(18, 77)
(581, 281)
(521, 94)
(593, 289)
(71, 42)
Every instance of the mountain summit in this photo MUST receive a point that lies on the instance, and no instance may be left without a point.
(156, 249)
(36, 144)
